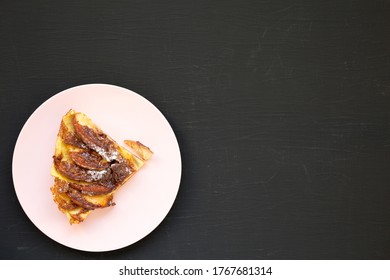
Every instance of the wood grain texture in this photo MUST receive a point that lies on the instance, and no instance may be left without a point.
(281, 110)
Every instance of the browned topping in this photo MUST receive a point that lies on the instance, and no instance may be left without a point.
(62, 186)
(77, 198)
(69, 137)
(92, 189)
(89, 159)
(120, 171)
(63, 203)
(75, 172)
(97, 141)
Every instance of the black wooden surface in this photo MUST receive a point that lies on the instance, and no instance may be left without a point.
(281, 110)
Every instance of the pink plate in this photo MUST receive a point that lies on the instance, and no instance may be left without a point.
(141, 204)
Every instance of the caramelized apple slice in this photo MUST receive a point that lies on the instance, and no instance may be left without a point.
(89, 159)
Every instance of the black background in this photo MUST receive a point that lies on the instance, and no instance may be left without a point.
(281, 110)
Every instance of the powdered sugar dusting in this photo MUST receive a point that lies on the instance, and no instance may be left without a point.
(106, 154)
(97, 175)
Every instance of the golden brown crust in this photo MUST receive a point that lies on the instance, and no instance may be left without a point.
(140, 149)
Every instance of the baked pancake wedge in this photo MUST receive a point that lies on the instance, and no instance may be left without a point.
(89, 166)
